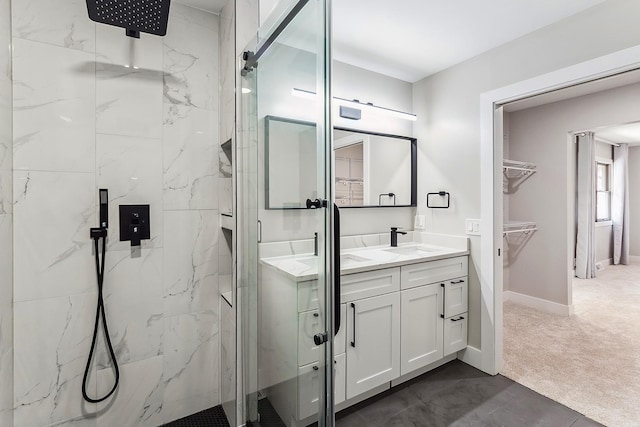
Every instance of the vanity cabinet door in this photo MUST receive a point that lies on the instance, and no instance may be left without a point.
(421, 326)
(373, 342)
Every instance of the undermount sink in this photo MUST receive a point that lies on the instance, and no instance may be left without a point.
(411, 250)
(346, 259)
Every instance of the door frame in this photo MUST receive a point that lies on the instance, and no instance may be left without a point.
(490, 359)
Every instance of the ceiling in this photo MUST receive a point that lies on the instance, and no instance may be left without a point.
(411, 39)
(622, 134)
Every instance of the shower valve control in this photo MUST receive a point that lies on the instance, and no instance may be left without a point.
(134, 223)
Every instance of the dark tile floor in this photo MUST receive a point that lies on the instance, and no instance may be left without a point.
(453, 395)
(458, 395)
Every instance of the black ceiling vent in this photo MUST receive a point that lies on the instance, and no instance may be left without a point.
(136, 16)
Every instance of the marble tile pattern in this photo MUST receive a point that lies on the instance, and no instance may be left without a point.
(190, 63)
(128, 84)
(54, 121)
(64, 24)
(225, 205)
(53, 212)
(50, 355)
(190, 352)
(93, 109)
(133, 304)
(131, 168)
(190, 150)
(6, 219)
(138, 400)
(190, 261)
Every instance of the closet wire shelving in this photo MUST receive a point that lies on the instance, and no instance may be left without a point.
(514, 169)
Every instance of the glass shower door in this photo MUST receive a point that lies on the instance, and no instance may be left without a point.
(286, 223)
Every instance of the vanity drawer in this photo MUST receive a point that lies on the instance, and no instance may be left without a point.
(308, 295)
(433, 271)
(455, 334)
(369, 284)
(456, 296)
(309, 324)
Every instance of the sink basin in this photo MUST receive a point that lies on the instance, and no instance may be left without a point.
(347, 259)
(309, 262)
(411, 250)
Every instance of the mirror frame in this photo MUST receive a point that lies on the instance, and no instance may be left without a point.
(414, 162)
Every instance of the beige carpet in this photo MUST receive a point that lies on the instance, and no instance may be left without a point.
(590, 361)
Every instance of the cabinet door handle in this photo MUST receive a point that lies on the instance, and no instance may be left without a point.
(444, 290)
(353, 342)
(457, 281)
(459, 318)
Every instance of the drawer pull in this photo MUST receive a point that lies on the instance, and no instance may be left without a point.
(315, 368)
(457, 281)
(459, 318)
(353, 342)
(316, 315)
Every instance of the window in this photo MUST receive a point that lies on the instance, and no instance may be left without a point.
(603, 191)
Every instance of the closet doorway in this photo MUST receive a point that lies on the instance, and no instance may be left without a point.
(572, 340)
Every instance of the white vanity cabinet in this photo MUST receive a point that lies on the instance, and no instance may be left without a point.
(434, 309)
(395, 320)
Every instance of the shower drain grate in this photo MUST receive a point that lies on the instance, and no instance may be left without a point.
(212, 417)
(147, 16)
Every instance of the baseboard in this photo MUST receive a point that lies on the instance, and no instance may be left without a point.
(601, 265)
(634, 258)
(538, 303)
(471, 356)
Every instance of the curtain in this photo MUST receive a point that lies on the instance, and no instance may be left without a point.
(620, 204)
(586, 186)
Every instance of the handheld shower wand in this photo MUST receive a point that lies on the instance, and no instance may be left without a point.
(98, 233)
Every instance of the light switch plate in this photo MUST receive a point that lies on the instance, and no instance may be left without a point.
(472, 227)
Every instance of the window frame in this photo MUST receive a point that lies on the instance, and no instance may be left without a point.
(609, 164)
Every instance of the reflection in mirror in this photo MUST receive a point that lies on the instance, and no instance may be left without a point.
(290, 157)
(371, 169)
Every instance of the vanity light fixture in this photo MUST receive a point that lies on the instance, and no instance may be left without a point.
(355, 102)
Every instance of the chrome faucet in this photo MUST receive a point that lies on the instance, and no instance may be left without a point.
(394, 236)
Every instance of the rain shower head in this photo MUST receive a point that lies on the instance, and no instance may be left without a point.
(136, 16)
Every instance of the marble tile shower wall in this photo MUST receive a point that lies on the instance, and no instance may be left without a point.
(6, 218)
(228, 353)
(95, 109)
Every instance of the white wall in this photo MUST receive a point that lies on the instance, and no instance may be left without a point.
(540, 135)
(634, 200)
(448, 107)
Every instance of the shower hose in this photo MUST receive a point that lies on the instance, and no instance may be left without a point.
(102, 234)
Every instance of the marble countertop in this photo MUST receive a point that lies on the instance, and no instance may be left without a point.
(305, 266)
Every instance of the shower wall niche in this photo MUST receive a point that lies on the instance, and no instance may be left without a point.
(93, 109)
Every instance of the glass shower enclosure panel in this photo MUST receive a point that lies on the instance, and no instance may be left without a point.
(285, 227)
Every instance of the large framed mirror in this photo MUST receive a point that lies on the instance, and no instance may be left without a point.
(372, 169)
